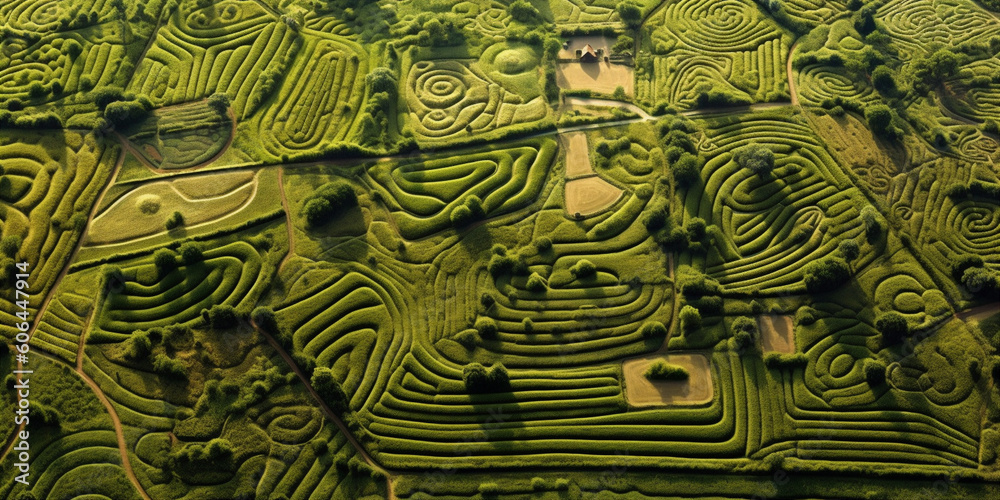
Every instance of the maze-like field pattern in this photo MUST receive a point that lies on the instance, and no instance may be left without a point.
(724, 45)
(917, 25)
(214, 49)
(422, 195)
(451, 99)
(319, 100)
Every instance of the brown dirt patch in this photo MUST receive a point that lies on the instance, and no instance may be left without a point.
(600, 76)
(152, 152)
(589, 195)
(979, 313)
(696, 390)
(577, 154)
(776, 333)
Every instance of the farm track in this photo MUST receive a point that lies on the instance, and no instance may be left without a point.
(288, 220)
(791, 75)
(328, 412)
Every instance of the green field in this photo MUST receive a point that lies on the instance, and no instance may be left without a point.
(472, 249)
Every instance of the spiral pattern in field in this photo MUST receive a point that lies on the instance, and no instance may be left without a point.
(719, 26)
(493, 21)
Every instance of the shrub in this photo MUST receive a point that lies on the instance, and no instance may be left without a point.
(328, 200)
(874, 371)
(543, 244)
(536, 283)
(686, 170)
(486, 326)
(9, 245)
(139, 346)
(981, 281)
(190, 253)
(175, 220)
(486, 300)
(583, 268)
(538, 484)
(661, 370)
(872, 222)
(849, 249)
(480, 380)
(220, 316)
(265, 319)
(219, 102)
(651, 329)
(690, 318)
(826, 274)
(745, 324)
(893, 327)
(696, 228)
(172, 368)
(329, 389)
(883, 79)
(630, 13)
(165, 259)
(879, 118)
(523, 11)
(125, 112)
(756, 158)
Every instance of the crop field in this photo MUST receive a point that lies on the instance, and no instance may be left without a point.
(473, 249)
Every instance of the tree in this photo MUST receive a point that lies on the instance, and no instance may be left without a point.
(381, 79)
(883, 79)
(265, 319)
(479, 379)
(826, 274)
(652, 329)
(686, 170)
(175, 220)
(523, 11)
(139, 346)
(486, 327)
(219, 102)
(879, 118)
(872, 222)
(328, 200)
(874, 371)
(583, 268)
(329, 389)
(220, 316)
(893, 327)
(190, 253)
(849, 249)
(10, 245)
(619, 94)
(756, 158)
(630, 13)
(690, 318)
(981, 281)
(624, 44)
(165, 259)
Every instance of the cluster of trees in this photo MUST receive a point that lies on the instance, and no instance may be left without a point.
(880, 121)
(826, 274)
(893, 327)
(468, 212)
(503, 262)
(382, 92)
(328, 200)
(220, 317)
(690, 318)
(330, 390)
(745, 333)
(680, 151)
(175, 220)
(755, 158)
(661, 370)
(481, 380)
(630, 14)
(972, 273)
(523, 11)
(119, 107)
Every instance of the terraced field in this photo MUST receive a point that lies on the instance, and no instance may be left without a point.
(554, 249)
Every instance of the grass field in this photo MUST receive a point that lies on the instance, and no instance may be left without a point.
(290, 249)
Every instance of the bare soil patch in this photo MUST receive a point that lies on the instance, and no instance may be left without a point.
(696, 390)
(577, 154)
(776, 334)
(603, 77)
(589, 195)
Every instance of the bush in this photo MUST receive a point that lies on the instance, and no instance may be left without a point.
(686, 170)
(120, 113)
(219, 102)
(826, 274)
(328, 200)
(175, 220)
(330, 390)
(872, 222)
(583, 268)
(265, 319)
(139, 346)
(165, 259)
(172, 368)
(756, 158)
(849, 249)
(745, 324)
(486, 327)
(523, 11)
(661, 370)
(10, 245)
(964, 262)
(220, 316)
(536, 283)
(696, 228)
(651, 329)
(630, 14)
(893, 327)
(981, 281)
(879, 118)
(190, 253)
(543, 244)
(874, 371)
(883, 80)
(690, 318)
(480, 380)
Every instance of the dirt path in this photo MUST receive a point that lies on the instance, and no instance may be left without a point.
(328, 412)
(288, 219)
(593, 101)
(979, 313)
(791, 76)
